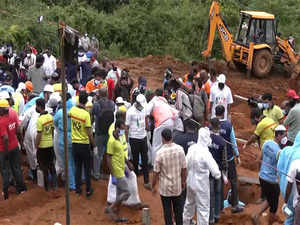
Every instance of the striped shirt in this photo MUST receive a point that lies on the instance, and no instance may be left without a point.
(169, 162)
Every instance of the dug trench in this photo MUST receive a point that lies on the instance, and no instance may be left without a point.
(36, 207)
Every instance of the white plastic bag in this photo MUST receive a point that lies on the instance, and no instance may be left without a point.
(133, 189)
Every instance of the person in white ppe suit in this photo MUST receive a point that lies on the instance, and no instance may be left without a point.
(200, 163)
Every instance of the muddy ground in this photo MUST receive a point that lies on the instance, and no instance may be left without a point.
(36, 207)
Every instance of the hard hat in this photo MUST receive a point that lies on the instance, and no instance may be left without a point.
(280, 128)
(29, 86)
(221, 78)
(48, 88)
(140, 99)
(4, 95)
(4, 103)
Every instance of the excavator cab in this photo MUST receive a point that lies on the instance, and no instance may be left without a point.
(256, 27)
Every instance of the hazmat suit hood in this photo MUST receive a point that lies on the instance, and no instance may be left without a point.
(204, 137)
(287, 156)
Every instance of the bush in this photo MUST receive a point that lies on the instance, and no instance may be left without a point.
(142, 27)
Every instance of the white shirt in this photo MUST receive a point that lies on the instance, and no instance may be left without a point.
(49, 65)
(136, 120)
(220, 97)
(113, 75)
(30, 62)
(294, 168)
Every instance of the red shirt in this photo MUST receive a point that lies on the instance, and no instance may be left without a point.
(110, 88)
(8, 126)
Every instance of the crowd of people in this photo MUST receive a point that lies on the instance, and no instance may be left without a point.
(182, 131)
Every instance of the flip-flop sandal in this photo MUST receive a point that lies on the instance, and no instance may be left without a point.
(121, 220)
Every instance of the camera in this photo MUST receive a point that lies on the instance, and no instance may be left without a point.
(253, 102)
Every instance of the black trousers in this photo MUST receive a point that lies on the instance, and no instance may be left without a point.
(82, 156)
(11, 160)
(45, 158)
(175, 203)
(232, 177)
(140, 147)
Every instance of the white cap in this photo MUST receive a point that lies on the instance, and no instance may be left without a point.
(48, 88)
(280, 128)
(221, 78)
(21, 86)
(4, 95)
(119, 100)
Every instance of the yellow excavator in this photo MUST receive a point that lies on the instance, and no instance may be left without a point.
(256, 45)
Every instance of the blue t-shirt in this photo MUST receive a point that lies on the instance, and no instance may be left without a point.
(217, 149)
(270, 150)
(185, 140)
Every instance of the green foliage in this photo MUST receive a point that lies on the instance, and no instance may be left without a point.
(138, 28)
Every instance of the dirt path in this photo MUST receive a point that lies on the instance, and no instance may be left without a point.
(36, 207)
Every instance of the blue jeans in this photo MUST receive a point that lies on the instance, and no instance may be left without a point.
(71, 164)
(101, 143)
(215, 199)
(11, 160)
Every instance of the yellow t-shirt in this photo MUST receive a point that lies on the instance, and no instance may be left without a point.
(45, 126)
(80, 120)
(57, 87)
(275, 114)
(119, 152)
(265, 130)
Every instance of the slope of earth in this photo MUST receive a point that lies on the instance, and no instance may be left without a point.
(36, 207)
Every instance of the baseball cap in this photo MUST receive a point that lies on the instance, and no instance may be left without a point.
(119, 100)
(29, 85)
(280, 128)
(292, 94)
(4, 95)
(48, 88)
(4, 103)
(221, 78)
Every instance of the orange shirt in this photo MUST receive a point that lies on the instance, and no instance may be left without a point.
(90, 86)
(185, 77)
(206, 87)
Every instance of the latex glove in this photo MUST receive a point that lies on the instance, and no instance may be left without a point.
(238, 160)
(113, 180)
(225, 179)
(286, 211)
(95, 150)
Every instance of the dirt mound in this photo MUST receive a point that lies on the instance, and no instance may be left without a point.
(37, 207)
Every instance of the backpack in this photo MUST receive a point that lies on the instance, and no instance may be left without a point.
(198, 107)
(104, 116)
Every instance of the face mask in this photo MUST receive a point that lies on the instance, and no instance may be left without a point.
(97, 82)
(121, 132)
(263, 106)
(284, 140)
(139, 107)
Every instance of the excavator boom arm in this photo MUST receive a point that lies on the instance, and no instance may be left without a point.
(216, 22)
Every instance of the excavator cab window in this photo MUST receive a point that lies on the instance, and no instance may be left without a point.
(262, 31)
(242, 34)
